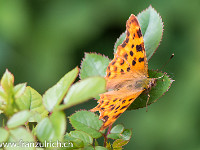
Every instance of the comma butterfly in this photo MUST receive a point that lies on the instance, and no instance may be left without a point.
(126, 75)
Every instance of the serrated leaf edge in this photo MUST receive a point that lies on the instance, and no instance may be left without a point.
(171, 81)
(66, 91)
(86, 53)
(150, 7)
(87, 111)
(118, 40)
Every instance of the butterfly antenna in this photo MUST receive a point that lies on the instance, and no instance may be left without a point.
(165, 64)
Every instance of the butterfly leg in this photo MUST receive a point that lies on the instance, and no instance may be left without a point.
(147, 102)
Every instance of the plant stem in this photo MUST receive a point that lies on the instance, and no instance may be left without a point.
(105, 140)
(105, 135)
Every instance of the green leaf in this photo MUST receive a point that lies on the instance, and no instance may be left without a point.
(2, 100)
(89, 147)
(86, 138)
(32, 100)
(93, 65)
(2, 94)
(117, 144)
(19, 89)
(36, 103)
(44, 130)
(53, 128)
(35, 117)
(117, 129)
(59, 123)
(22, 137)
(88, 122)
(7, 99)
(83, 91)
(24, 101)
(100, 148)
(77, 143)
(18, 119)
(126, 135)
(152, 29)
(114, 136)
(118, 132)
(7, 81)
(4, 135)
(55, 94)
(162, 86)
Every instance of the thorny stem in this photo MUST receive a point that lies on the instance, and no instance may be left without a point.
(105, 135)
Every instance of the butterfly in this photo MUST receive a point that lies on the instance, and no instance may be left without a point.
(126, 75)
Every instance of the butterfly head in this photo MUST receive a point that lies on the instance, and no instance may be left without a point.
(152, 83)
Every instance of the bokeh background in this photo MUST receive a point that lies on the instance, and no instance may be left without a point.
(41, 40)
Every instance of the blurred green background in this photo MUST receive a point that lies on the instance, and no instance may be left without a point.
(41, 40)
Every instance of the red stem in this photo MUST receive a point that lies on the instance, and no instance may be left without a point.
(105, 135)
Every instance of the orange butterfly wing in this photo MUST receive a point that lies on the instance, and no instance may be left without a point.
(111, 108)
(128, 66)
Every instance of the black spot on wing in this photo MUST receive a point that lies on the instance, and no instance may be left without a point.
(128, 33)
(141, 59)
(114, 61)
(109, 74)
(131, 53)
(117, 115)
(133, 62)
(102, 109)
(123, 44)
(122, 62)
(124, 107)
(112, 107)
(139, 33)
(117, 108)
(125, 56)
(114, 99)
(127, 39)
(130, 99)
(139, 48)
(105, 118)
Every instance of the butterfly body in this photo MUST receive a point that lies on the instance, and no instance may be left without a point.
(126, 75)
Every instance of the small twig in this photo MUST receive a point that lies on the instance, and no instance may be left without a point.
(105, 135)
(105, 140)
